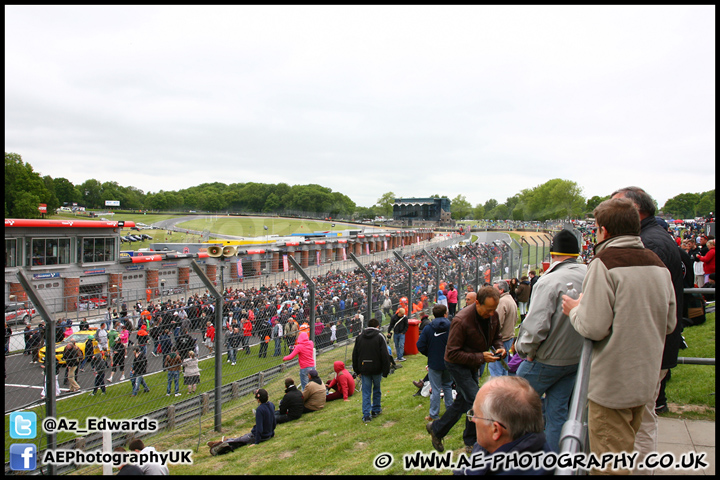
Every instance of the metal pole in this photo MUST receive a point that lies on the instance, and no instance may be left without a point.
(437, 271)
(311, 287)
(512, 263)
(519, 269)
(458, 275)
(549, 239)
(536, 253)
(50, 405)
(218, 345)
(369, 289)
(404, 263)
(476, 280)
(574, 431)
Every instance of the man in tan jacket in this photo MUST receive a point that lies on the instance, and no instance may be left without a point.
(627, 308)
(314, 393)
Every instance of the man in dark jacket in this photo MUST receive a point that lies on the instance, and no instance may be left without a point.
(264, 428)
(657, 239)
(370, 358)
(99, 366)
(291, 405)
(139, 368)
(498, 432)
(473, 331)
(185, 343)
(397, 328)
(70, 355)
(432, 343)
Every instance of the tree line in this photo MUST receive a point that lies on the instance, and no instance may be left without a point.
(25, 189)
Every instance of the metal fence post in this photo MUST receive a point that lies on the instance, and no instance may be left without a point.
(437, 271)
(520, 264)
(574, 431)
(407, 267)
(549, 239)
(218, 346)
(458, 275)
(50, 361)
(476, 280)
(536, 253)
(311, 287)
(369, 289)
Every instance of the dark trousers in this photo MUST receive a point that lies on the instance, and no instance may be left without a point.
(99, 382)
(283, 418)
(238, 442)
(466, 385)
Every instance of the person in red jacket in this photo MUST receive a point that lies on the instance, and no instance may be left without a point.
(708, 260)
(247, 333)
(210, 337)
(343, 383)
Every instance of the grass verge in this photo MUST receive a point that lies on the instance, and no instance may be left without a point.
(691, 388)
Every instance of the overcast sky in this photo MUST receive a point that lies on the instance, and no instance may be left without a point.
(482, 101)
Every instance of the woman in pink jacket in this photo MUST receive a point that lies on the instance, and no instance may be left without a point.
(305, 351)
(124, 338)
(452, 300)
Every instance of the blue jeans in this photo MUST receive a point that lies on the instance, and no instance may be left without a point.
(557, 384)
(466, 385)
(173, 376)
(278, 347)
(399, 339)
(304, 377)
(136, 382)
(371, 388)
(495, 368)
(232, 354)
(440, 380)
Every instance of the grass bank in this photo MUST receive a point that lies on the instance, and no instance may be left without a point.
(334, 441)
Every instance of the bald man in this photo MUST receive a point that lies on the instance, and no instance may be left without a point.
(470, 298)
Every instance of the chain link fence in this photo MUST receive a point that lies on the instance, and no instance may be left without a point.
(345, 294)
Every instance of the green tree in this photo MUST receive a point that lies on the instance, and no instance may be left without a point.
(26, 205)
(500, 212)
(682, 206)
(272, 203)
(460, 208)
(479, 212)
(91, 193)
(706, 204)
(213, 202)
(342, 205)
(594, 202)
(554, 199)
(489, 205)
(134, 198)
(51, 200)
(65, 191)
(365, 213)
(20, 179)
(385, 204)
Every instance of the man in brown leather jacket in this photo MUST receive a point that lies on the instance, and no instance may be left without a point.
(473, 331)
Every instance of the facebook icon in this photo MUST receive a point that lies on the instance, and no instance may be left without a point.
(23, 456)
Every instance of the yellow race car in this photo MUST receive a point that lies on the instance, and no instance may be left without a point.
(80, 338)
